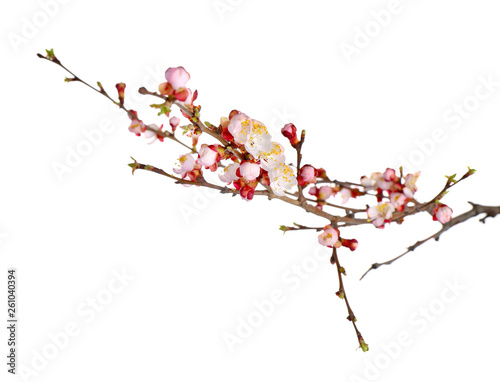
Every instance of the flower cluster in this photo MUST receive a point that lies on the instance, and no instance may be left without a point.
(264, 160)
(393, 194)
(261, 160)
(248, 157)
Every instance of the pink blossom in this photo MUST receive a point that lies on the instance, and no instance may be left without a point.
(229, 173)
(137, 127)
(324, 192)
(208, 155)
(186, 163)
(375, 181)
(398, 200)
(154, 134)
(380, 214)
(346, 194)
(270, 159)
(251, 133)
(240, 127)
(329, 237)
(410, 186)
(248, 170)
(177, 77)
(281, 178)
(442, 213)
(259, 141)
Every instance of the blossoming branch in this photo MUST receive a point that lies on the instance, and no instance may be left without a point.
(249, 163)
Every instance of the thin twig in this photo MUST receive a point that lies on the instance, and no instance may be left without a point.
(477, 209)
(342, 294)
(164, 134)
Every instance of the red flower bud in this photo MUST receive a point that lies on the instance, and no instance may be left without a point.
(352, 244)
(321, 173)
(233, 113)
(165, 88)
(290, 132)
(121, 92)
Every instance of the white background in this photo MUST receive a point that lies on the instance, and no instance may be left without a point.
(194, 277)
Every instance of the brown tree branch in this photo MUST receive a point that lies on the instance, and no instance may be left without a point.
(477, 209)
(342, 294)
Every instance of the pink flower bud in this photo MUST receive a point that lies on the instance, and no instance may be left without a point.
(181, 94)
(442, 213)
(248, 170)
(314, 191)
(177, 77)
(247, 192)
(307, 174)
(174, 122)
(290, 131)
(165, 88)
(208, 155)
(390, 175)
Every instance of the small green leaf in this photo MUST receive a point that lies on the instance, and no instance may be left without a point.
(451, 178)
(134, 165)
(364, 346)
(283, 228)
(100, 87)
